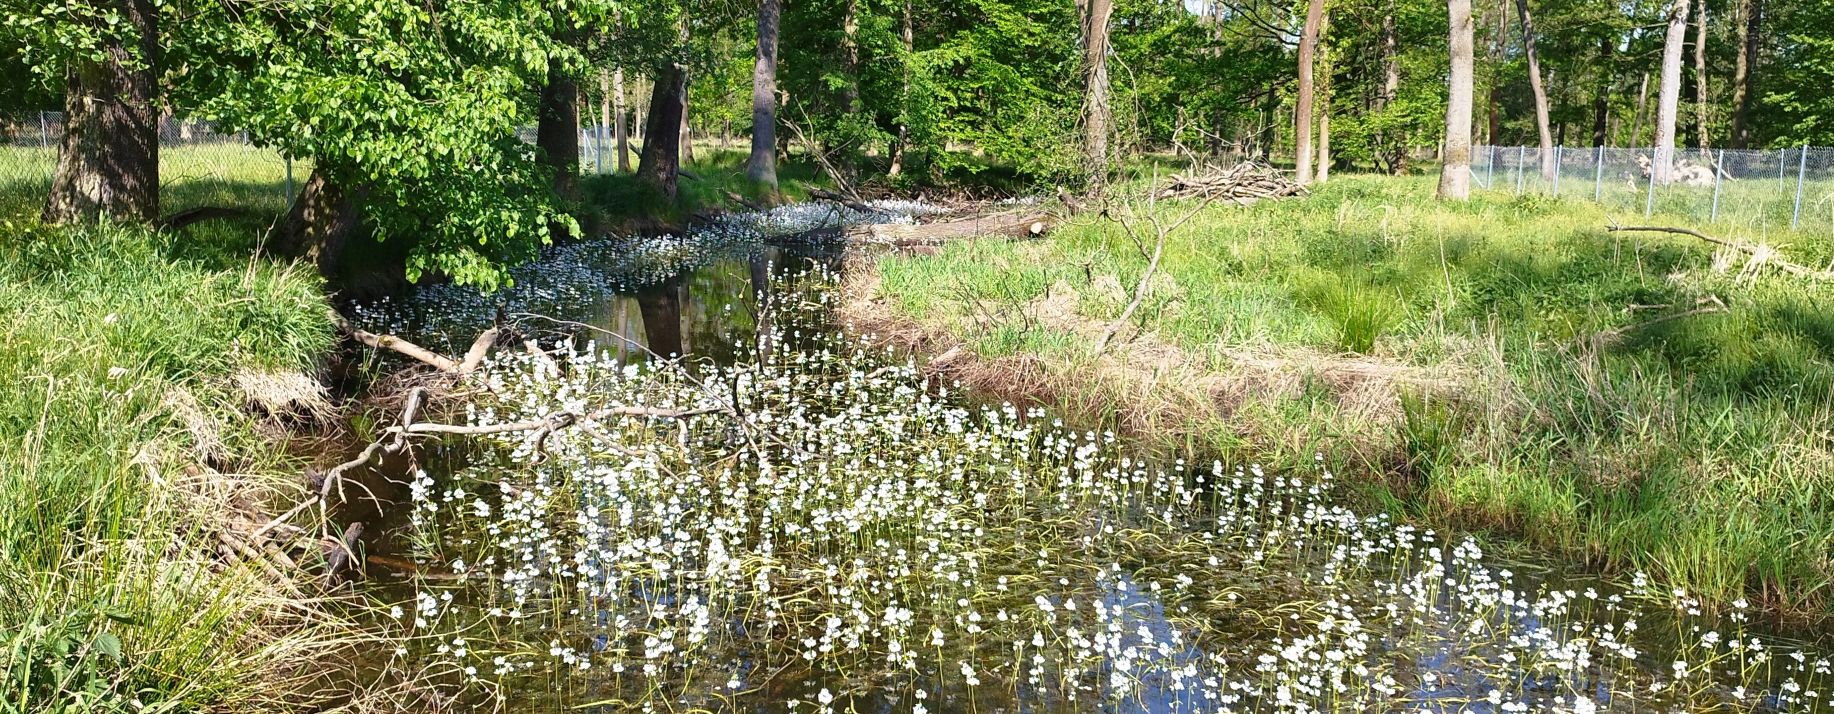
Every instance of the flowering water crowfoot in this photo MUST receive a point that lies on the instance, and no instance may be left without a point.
(863, 538)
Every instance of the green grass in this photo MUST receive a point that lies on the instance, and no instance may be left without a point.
(118, 348)
(1696, 447)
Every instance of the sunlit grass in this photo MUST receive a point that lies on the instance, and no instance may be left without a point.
(1689, 446)
(118, 411)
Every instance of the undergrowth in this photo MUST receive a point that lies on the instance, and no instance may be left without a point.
(125, 446)
(1602, 403)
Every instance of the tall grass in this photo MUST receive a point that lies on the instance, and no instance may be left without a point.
(1595, 407)
(125, 451)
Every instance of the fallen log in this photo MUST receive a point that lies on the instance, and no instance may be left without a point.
(904, 235)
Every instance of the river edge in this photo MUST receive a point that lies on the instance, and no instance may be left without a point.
(1142, 389)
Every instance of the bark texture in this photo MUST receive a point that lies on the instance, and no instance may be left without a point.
(904, 127)
(1636, 126)
(1750, 17)
(1542, 129)
(761, 168)
(1455, 168)
(108, 161)
(1096, 109)
(1601, 101)
(620, 126)
(1700, 76)
(320, 224)
(1302, 120)
(557, 129)
(659, 166)
(1669, 97)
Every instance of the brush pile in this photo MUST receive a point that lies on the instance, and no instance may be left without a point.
(1243, 183)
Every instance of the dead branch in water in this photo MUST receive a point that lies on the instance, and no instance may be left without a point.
(1760, 254)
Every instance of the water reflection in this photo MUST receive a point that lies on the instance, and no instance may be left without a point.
(717, 314)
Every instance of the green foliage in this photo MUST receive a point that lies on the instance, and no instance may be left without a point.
(421, 109)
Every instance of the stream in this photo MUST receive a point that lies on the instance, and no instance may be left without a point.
(799, 520)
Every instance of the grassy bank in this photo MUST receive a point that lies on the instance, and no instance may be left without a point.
(1506, 365)
(137, 373)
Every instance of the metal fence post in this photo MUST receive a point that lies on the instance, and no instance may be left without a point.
(1598, 177)
(1802, 167)
(1557, 171)
(1718, 169)
(1521, 156)
(1490, 168)
(44, 132)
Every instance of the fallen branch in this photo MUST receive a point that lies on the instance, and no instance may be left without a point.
(407, 349)
(1760, 254)
(479, 347)
(848, 201)
(1707, 305)
(903, 235)
(552, 422)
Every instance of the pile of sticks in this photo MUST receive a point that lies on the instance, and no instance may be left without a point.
(1243, 183)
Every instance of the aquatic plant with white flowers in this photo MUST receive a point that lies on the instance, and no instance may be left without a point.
(834, 531)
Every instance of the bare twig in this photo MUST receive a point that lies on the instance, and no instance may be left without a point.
(1160, 230)
(1760, 254)
(1707, 305)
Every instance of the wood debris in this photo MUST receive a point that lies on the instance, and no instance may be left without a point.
(1243, 183)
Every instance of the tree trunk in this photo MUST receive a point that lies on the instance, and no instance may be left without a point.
(1542, 129)
(1662, 163)
(1601, 102)
(687, 129)
(1096, 110)
(1455, 168)
(761, 168)
(320, 224)
(1391, 62)
(604, 116)
(1323, 98)
(1636, 126)
(904, 98)
(659, 164)
(108, 161)
(1494, 114)
(557, 129)
(1742, 73)
(621, 123)
(1302, 119)
(850, 52)
(1700, 77)
(1324, 144)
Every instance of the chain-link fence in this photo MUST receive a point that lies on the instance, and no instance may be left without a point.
(1790, 188)
(198, 165)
